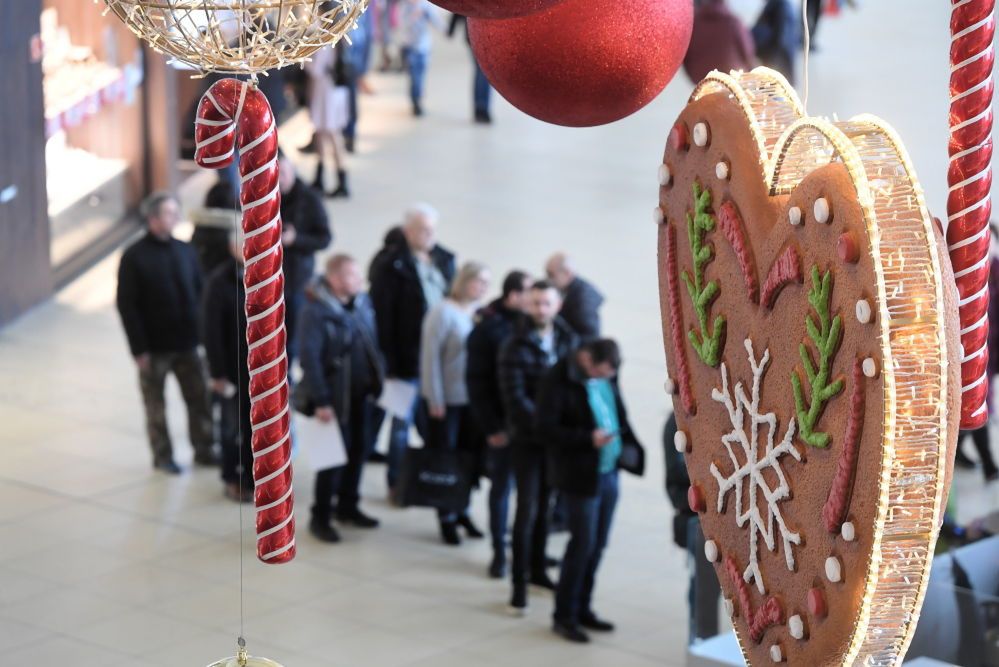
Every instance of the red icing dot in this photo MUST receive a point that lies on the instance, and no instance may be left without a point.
(847, 248)
(679, 139)
(817, 603)
(695, 498)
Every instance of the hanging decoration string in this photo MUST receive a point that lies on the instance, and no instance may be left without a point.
(806, 47)
(969, 205)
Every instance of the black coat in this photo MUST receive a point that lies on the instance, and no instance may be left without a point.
(581, 308)
(224, 323)
(159, 295)
(566, 423)
(303, 209)
(400, 306)
(494, 324)
(394, 240)
(522, 364)
(338, 350)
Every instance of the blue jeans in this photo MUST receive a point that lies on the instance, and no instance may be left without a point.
(500, 469)
(417, 63)
(589, 519)
(399, 436)
(481, 89)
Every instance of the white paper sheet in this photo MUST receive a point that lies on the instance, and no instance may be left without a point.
(397, 398)
(321, 443)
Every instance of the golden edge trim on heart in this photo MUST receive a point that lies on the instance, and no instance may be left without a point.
(941, 334)
(848, 152)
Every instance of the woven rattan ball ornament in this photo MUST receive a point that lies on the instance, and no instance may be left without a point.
(238, 36)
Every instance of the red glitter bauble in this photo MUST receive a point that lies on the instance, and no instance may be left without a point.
(494, 9)
(584, 62)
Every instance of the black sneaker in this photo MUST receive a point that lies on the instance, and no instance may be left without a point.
(595, 623)
(449, 533)
(169, 467)
(470, 528)
(497, 567)
(570, 632)
(543, 581)
(518, 601)
(324, 532)
(358, 519)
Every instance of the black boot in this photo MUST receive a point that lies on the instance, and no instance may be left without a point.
(497, 568)
(341, 188)
(470, 528)
(449, 533)
(318, 183)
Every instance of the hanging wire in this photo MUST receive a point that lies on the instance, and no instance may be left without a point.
(240, 367)
(804, 59)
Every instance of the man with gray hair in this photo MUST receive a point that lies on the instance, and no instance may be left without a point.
(159, 294)
(414, 276)
(581, 301)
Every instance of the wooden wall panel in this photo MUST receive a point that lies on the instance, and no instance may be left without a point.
(25, 276)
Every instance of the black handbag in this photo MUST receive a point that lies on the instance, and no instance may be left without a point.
(433, 477)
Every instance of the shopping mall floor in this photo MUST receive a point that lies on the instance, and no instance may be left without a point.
(104, 562)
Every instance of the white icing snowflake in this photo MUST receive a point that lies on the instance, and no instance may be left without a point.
(755, 464)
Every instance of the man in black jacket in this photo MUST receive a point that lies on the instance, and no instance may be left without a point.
(537, 345)
(412, 278)
(494, 324)
(224, 334)
(341, 374)
(159, 294)
(580, 300)
(305, 231)
(585, 426)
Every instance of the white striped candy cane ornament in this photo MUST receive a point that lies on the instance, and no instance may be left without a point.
(969, 205)
(235, 114)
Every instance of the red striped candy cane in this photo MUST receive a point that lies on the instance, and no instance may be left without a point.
(235, 113)
(969, 206)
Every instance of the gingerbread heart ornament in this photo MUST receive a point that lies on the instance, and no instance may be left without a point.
(810, 326)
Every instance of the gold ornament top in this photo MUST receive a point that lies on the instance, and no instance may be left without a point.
(239, 36)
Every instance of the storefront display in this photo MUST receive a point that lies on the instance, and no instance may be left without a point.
(92, 78)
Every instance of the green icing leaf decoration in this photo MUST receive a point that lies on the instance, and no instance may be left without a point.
(825, 335)
(707, 342)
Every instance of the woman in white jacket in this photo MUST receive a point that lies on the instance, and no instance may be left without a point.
(443, 359)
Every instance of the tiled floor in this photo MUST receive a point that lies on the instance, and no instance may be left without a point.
(104, 563)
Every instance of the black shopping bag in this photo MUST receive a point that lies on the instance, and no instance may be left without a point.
(434, 477)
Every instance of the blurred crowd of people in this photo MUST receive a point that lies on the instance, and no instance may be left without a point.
(721, 41)
(523, 385)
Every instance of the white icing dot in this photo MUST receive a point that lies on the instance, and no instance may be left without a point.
(848, 532)
(863, 311)
(669, 386)
(794, 215)
(701, 134)
(711, 551)
(721, 170)
(729, 607)
(664, 175)
(776, 654)
(870, 368)
(821, 210)
(680, 441)
(657, 215)
(796, 627)
(834, 571)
